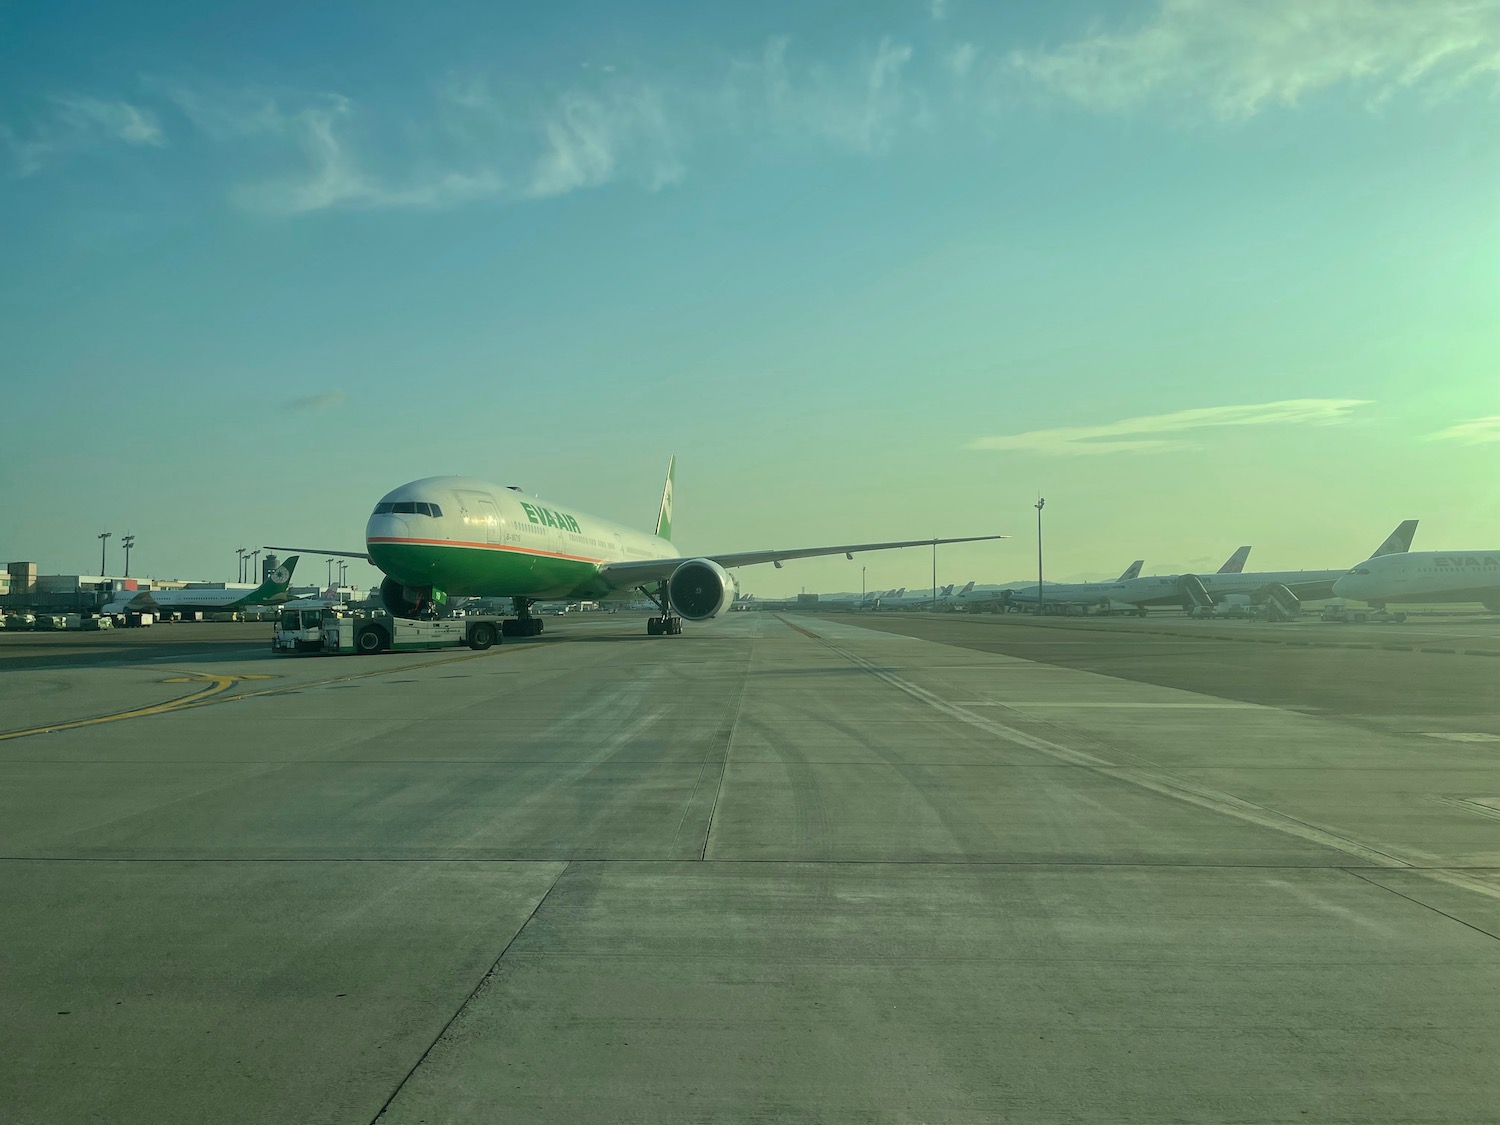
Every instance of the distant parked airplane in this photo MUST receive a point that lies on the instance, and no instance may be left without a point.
(1425, 577)
(269, 592)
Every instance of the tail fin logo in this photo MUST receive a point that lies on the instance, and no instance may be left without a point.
(664, 514)
(1400, 540)
(280, 576)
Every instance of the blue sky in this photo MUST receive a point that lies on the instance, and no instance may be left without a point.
(1203, 273)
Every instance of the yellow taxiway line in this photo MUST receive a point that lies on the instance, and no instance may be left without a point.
(217, 685)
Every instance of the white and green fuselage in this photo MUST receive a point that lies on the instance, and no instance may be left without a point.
(465, 536)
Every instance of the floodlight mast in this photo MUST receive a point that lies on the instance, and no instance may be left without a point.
(103, 535)
(1041, 502)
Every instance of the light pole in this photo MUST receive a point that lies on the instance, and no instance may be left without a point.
(934, 572)
(242, 552)
(255, 565)
(330, 573)
(343, 574)
(861, 587)
(1041, 503)
(103, 535)
(127, 541)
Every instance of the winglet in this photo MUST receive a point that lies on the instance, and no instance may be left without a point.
(1235, 563)
(664, 513)
(1399, 541)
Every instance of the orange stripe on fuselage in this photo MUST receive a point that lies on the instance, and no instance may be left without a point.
(482, 547)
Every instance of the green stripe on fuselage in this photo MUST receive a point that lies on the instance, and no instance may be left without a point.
(487, 571)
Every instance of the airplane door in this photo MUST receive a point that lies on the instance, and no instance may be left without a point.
(491, 517)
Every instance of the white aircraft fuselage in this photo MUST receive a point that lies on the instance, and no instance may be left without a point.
(469, 537)
(1425, 577)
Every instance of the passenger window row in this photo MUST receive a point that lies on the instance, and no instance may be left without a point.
(407, 508)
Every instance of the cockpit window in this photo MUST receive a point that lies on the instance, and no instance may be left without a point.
(408, 508)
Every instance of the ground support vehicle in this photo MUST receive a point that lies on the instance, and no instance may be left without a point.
(1344, 614)
(376, 633)
(336, 630)
(298, 629)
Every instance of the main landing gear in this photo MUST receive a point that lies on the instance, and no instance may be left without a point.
(668, 624)
(523, 624)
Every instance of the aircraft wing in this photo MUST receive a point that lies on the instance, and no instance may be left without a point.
(622, 575)
(316, 551)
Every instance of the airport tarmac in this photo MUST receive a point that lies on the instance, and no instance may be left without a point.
(781, 868)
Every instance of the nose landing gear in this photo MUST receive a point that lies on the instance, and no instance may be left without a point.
(523, 624)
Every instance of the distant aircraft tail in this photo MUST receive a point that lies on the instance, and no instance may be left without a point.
(899, 593)
(1235, 563)
(1399, 541)
(277, 581)
(664, 513)
(947, 590)
(1131, 571)
(967, 589)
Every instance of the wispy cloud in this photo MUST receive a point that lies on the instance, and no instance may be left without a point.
(1238, 57)
(859, 105)
(960, 60)
(74, 123)
(604, 124)
(331, 174)
(1144, 434)
(1475, 431)
(328, 400)
(589, 138)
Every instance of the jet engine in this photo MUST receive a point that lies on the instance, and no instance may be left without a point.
(701, 589)
(408, 601)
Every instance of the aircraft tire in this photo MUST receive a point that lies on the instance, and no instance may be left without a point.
(653, 628)
(481, 637)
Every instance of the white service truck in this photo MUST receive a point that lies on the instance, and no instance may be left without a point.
(339, 631)
(1342, 613)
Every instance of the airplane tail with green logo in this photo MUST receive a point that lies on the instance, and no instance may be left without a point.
(274, 586)
(664, 513)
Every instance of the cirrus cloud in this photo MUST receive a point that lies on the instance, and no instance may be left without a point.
(1143, 434)
(1475, 431)
(1240, 56)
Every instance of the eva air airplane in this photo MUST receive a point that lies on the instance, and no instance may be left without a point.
(444, 536)
(269, 592)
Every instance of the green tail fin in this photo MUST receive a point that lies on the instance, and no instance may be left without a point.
(278, 580)
(664, 513)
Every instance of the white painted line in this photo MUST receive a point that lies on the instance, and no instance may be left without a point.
(1142, 706)
(1473, 736)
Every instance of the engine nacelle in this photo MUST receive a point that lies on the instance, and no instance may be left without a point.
(409, 601)
(701, 589)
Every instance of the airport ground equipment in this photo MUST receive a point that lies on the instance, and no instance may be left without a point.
(1272, 602)
(338, 631)
(1342, 613)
